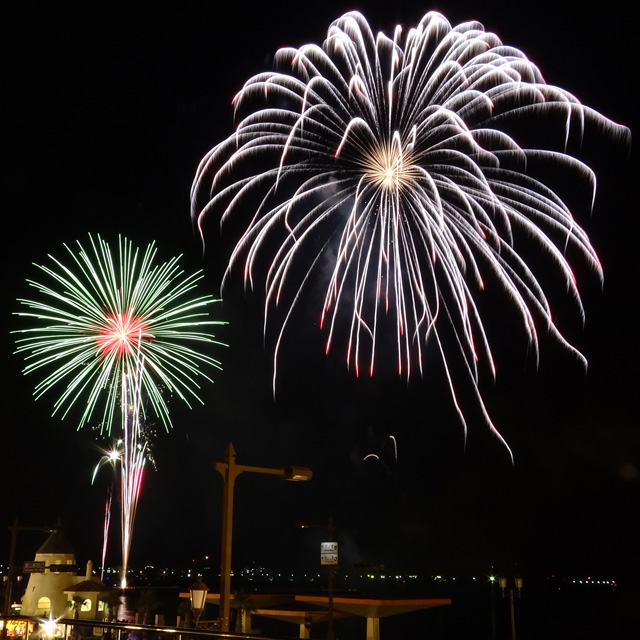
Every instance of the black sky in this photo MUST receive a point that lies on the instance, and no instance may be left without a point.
(106, 116)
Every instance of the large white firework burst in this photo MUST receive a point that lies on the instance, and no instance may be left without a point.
(389, 159)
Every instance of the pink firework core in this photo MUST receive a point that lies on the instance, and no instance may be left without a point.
(120, 335)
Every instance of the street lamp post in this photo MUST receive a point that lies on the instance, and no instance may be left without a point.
(230, 471)
(492, 581)
(331, 569)
(198, 592)
(504, 582)
(330, 562)
(15, 529)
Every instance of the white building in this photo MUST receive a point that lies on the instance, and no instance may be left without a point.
(89, 590)
(48, 592)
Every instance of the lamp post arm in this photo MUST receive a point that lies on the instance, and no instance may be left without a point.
(244, 468)
(229, 471)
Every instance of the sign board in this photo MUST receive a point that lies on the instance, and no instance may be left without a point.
(32, 566)
(328, 553)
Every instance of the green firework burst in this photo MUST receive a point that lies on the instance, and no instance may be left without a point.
(102, 313)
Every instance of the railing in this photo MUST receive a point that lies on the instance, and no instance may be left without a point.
(127, 630)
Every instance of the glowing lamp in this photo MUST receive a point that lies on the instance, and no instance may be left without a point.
(198, 591)
(297, 474)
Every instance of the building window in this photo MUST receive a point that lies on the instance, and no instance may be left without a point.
(44, 604)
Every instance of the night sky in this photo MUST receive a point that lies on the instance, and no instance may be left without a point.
(106, 114)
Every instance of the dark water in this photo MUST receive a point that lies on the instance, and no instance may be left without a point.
(604, 614)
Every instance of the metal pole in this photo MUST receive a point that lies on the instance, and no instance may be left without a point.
(513, 618)
(330, 628)
(14, 529)
(330, 631)
(229, 473)
(493, 609)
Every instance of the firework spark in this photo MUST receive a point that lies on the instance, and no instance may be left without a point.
(127, 459)
(105, 530)
(134, 458)
(110, 458)
(97, 312)
(396, 162)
